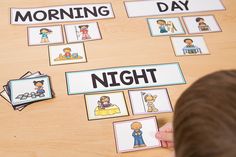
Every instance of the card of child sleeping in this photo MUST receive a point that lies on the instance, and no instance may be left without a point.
(201, 24)
(82, 32)
(29, 90)
(150, 101)
(136, 134)
(106, 105)
(45, 35)
(189, 45)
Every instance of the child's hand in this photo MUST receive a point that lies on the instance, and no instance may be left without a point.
(165, 135)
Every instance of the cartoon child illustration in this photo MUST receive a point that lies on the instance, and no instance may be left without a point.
(68, 55)
(150, 99)
(202, 26)
(84, 32)
(44, 34)
(39, 88)
(162, 26)
(67, 52)
(190, 48)
(137, 134)
(105, 107)
(104, 102)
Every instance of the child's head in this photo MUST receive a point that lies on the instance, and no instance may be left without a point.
(136, 126)
(104, 99)
(200, 20)
(205, 117)
(188, 41)
(161, 22)
(67, 49)
(150, 98)
(45, 31)
(38, 83)
(84, 26)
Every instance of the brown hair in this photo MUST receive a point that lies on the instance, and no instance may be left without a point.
(205, 117)
(104, 97)
(67, 48)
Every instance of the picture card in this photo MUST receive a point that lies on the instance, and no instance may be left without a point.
(82, 32)
(106, 105)
(163, 7)
(119, 78)
(201, 24)
(29, 90)
(66, 13)
(165, 26)
(6, 93)
(45, 35)
(136, 134)
(189, 45)
(150, 101)
(67, 54)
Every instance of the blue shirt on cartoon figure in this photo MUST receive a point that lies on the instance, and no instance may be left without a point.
(162, 26)
(44, 35)
(163, 29)
(39, 87)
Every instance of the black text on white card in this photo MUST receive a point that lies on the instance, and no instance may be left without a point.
(61, 13)
(124, 78)
(162, 7)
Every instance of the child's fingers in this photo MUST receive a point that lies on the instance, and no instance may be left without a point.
(170, 144)
(167, 144)
(164, 144)
(167, 128)
(164, 136)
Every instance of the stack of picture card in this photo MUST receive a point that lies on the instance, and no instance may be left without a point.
(29, 88)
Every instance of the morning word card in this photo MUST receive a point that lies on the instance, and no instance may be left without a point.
(189, 45)
(136, 134)
(67, 54)
(29, 90)
(64, 13)
(150, 101)
(201, 24)
(106, 105)
(165, 26)
(82, 32)
(45, 35)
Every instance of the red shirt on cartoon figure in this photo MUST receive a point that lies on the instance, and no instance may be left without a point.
(67, 52)
(84, 30)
